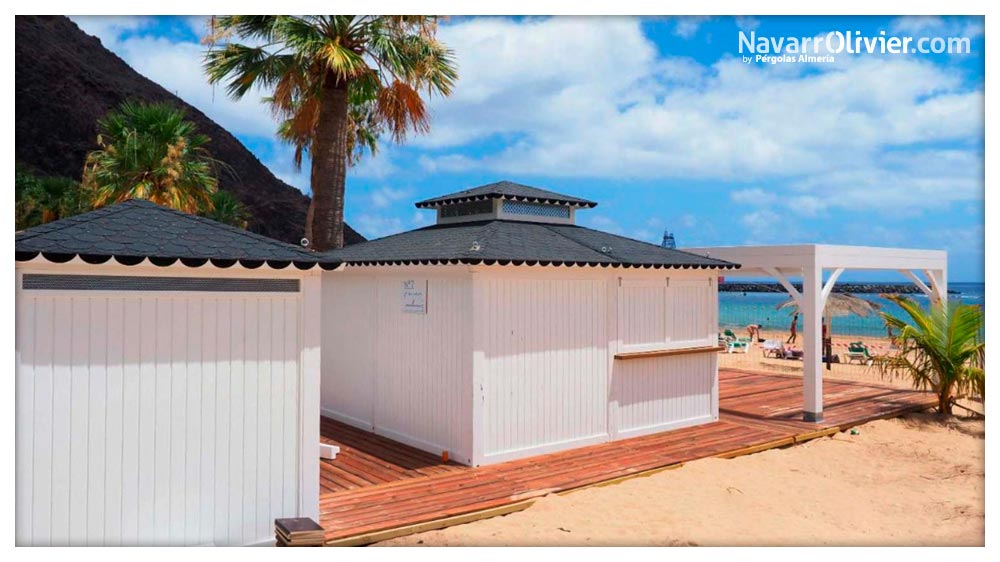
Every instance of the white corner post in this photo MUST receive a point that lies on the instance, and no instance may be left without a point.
(812, 312)
(309, 396)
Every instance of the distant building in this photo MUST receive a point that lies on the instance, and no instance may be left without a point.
(668, 240)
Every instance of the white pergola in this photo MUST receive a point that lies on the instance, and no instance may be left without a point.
(811, 262)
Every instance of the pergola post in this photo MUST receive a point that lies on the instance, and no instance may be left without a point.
(812, 312)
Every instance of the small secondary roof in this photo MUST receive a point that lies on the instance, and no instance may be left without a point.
(518, 243)
(506, 190)
(136, 230)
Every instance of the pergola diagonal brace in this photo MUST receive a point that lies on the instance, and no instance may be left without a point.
(780, 277)
(828, 287)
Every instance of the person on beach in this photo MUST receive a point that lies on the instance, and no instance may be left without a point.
(794, 329)
(753, 330)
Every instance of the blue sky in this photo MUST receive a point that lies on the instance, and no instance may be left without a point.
(662, 123)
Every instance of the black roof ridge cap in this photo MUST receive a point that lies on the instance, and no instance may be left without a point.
(241, 231)
(549, 226)
(388, 236)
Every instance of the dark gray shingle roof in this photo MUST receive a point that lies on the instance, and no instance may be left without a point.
(506, 190)
(138, 229)
(514, 242)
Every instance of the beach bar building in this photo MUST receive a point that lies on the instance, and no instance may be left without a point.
(167, 380)
(506, 330)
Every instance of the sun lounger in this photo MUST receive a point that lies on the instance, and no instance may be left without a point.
(773, 348)
(858, 351)
(729, 334)
(734, 344)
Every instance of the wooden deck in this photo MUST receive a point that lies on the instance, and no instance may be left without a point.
(366, 460)
(377, 488)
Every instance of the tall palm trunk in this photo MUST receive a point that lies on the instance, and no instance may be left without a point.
(325, 221)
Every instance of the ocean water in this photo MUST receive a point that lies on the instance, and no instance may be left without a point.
(737, 310)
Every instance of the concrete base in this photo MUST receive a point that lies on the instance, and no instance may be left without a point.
(814, 417)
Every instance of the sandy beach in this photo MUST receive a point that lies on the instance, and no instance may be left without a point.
(907, 481)
(754, 359)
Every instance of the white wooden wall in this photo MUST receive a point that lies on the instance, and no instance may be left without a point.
(349, 348)
(154, 419)
(664, 311)
(403, 375)
(661, 393)
(542, 367)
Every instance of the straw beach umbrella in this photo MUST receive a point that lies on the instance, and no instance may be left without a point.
(840, 304)
(837, 304)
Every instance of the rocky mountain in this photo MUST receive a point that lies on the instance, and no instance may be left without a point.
(65, 80)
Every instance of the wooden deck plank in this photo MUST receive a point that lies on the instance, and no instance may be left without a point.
(378, 487)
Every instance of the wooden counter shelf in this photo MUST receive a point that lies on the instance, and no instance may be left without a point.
(667, 352)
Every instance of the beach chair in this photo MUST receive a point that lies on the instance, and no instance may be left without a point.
(735, 344)
(858, 351)
(773, 348)
(729, 334)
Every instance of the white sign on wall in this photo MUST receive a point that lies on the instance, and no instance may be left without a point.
(415, 296)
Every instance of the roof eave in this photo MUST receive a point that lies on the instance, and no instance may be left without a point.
(165, 261)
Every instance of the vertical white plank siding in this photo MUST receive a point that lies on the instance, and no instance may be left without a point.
(545, 371)
(692, 307)
(407, 376)
(660, 393)
(23, 419)
(162, 418)
(423, 364)
(349, 341)
(642, 313)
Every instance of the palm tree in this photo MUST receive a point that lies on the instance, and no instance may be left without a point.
(336, 83)
(149, 151)
(940, 349)
(39, 200)
(227, 209)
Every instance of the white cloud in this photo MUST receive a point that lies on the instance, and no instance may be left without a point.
(385, 196)
(760, 226)
(608, 106)
(376, 226)
(753, 196)
(421, 218)
(108, 28)
(928, 26)
(687, 220)
(747, 23)
(688, 26)
(602, 222)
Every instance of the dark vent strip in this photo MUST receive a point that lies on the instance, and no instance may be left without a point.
(48, 282)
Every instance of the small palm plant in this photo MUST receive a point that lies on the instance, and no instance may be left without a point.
(39, 200)
(940, 349)
(150, 151)
(227, 209)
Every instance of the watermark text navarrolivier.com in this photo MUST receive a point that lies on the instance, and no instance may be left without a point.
(822, 48)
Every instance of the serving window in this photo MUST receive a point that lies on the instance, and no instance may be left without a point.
(666, 313)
